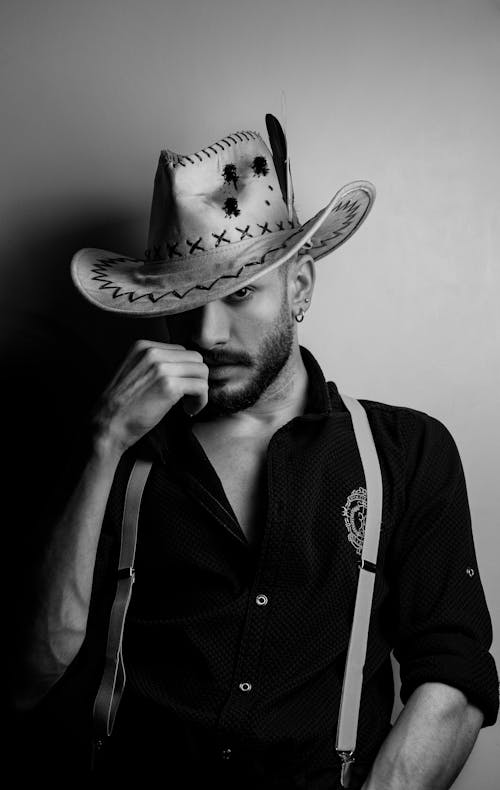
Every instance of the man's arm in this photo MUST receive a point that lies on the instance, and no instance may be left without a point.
(64, 582)
(153, 377)
(429, 743)
(442, 628)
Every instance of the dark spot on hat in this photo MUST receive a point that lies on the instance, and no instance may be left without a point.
(270, 187)
(267, 203)
(231, 175)
(260, 166)
(231, 207)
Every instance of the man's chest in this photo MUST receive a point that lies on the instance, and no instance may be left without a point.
(241, 468)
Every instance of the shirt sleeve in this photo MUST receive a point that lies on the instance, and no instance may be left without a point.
(443, 624)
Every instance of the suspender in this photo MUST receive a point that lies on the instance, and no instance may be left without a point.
(356, 654)
(113, 680)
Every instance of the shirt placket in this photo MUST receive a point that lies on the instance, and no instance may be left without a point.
(245, 685)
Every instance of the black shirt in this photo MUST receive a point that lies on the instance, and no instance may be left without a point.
(235, 652)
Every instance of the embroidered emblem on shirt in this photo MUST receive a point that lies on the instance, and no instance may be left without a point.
(354, 512)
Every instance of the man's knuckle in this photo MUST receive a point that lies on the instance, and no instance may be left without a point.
(151, 355)
(167, 386)
(140, 344)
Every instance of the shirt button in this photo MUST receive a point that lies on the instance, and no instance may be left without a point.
(226, 753)
(261, 600)
(245, 686)
(470, 572)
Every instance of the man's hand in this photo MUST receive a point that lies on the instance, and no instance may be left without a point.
(153, 377)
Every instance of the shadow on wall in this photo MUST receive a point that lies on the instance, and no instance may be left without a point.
(57, 354)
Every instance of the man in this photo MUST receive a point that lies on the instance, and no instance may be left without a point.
(252, 519)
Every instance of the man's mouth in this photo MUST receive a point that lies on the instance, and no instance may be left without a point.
(221, 362)
(220, 369)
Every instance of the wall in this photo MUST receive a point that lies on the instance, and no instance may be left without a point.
(399, 92)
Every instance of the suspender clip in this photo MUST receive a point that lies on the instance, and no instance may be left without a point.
(346, 770)
(126, 573)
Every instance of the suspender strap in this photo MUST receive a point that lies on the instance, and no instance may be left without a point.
(356, 654)
(113, 679)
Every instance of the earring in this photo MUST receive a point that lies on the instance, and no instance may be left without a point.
(300, 316)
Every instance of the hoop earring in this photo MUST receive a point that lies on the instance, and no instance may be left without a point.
(300, 316)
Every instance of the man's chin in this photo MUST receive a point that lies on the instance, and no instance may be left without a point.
(224, 399)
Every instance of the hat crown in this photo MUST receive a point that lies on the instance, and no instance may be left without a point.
(225, 193)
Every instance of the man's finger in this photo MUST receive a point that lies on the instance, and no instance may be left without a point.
(196, 396)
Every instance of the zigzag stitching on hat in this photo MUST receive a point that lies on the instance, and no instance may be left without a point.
(178, 295)
(118, 292)
(100, 270)
(106, 283)
(152, 298)
(222, 277)
(336, 233)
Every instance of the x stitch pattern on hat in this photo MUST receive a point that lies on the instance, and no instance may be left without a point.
(217, 216)
(102, 268)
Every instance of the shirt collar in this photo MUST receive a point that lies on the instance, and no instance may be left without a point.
(322, 397)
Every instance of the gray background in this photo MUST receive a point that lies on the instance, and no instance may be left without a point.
(401, 92)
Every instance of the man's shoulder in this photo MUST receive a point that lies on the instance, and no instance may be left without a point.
(403, 423)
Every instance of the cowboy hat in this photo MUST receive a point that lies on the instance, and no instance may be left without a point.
(220, 218)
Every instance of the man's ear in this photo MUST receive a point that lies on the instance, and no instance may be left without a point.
(302, 283)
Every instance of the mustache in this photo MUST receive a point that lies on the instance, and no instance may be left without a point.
(216, 357)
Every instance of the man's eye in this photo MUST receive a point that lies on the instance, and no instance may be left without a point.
(239, 296)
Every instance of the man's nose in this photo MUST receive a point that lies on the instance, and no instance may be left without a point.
(211, 326)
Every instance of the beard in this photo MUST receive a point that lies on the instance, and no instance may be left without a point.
(265, 365)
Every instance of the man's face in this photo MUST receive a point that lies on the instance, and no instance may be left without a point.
(245, 339)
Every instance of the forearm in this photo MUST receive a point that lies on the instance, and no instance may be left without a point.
(64, 585)
(429, 743)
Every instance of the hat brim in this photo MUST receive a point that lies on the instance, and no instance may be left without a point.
(134, 287)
